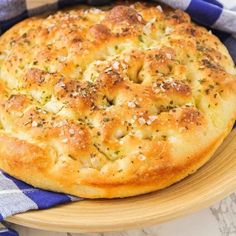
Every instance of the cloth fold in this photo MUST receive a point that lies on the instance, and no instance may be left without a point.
(219, 16)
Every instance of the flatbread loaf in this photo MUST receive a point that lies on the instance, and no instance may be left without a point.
(114, 101)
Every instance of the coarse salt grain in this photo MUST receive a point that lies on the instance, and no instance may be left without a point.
(151, 119)
(64, 122)
(141, 121)
(50, 26)
(121, 141)
(189, 104)
(71, 131)
(140, 18)
(132, 121)
(34, 124)
(98, 62)
(169, 80)
(127, 59)
(63, 25)
(96, 10)
(156, 90)
(168, 30)
(168, 55)
(142, 157)
(75, 94)
(119, 133)
(181, 129)
(62, 58)
(61, 84)
(124, 66)
(159, 8)
(65, 140)
(131, 104)
(147, 27)
(81, 132)
(116, 65)
(173, 139)
(162, 88)
(109, 69)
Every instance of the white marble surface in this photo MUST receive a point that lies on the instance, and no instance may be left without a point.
(217, 220)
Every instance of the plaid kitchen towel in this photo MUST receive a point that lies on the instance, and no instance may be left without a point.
(220, 16)
(17, 196)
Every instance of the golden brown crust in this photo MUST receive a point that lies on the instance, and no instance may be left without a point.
(112, 102)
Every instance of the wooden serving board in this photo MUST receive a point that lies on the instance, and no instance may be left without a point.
(211, 183)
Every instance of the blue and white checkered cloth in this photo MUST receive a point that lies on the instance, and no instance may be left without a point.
(219, 16)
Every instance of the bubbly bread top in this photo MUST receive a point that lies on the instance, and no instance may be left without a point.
(111, 96)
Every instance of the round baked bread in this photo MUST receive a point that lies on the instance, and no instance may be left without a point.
(112, 102)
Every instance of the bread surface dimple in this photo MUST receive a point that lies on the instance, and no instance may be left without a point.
(130, 96)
